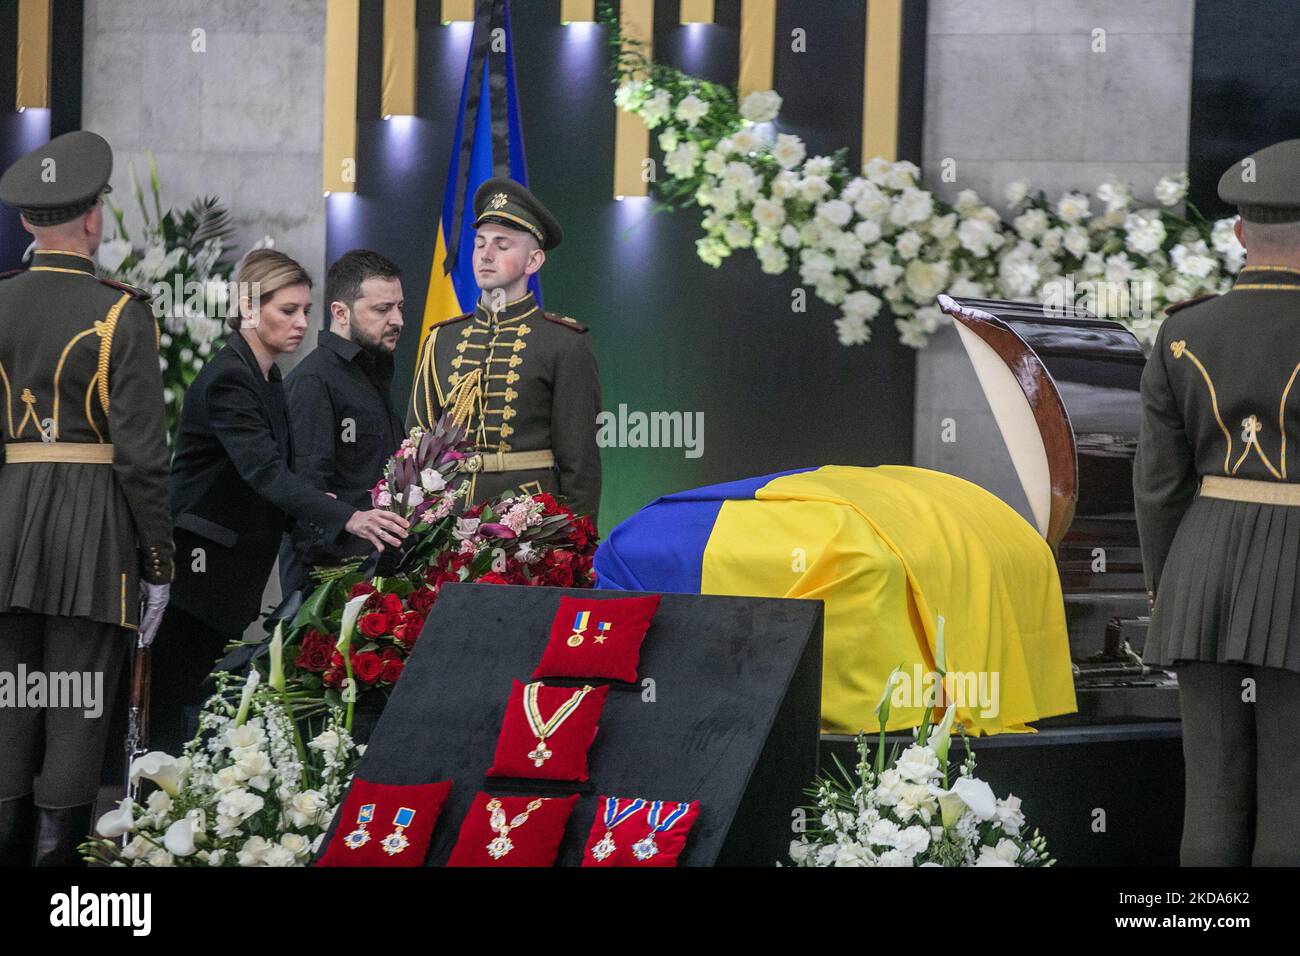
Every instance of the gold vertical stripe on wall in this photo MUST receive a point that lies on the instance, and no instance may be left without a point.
(577, 11)
(457, 11)
(697, 11)
(338, 161)
(631, 138)
(34, 25)
(880, 79)
(757, 45)
(398, 96)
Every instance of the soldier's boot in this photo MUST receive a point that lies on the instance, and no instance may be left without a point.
(17, 827)
(58, 834)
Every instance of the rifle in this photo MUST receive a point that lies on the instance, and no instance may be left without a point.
(137, 715)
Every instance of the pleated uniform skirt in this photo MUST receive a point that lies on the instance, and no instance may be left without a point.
(1228, 592)
(67, 543)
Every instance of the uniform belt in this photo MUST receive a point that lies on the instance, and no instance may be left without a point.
(510, 460)
(1248, 489)
(79, 452)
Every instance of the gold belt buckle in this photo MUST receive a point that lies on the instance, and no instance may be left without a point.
(474, 463)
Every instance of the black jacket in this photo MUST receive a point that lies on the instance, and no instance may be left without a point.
(233, 493)
(345, 427)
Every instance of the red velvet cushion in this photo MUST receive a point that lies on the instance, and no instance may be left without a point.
(568, 744)
(611, 652)
(632, 830)
(536, 841)
(422, 803)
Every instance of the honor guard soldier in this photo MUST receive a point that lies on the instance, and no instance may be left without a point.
(83, 498)
(524, 382)
(1217, 492)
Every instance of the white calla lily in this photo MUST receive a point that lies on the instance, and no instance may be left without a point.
(163, 769)
(117, 822)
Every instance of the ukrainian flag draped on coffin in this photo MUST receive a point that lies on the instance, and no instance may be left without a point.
(888, 549)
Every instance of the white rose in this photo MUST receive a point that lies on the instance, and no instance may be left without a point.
(789, 150)
(1115, 195)
(737, 235)
(918, 764)
(1030, 224)
(1016, 191)
(773, 259)
(968, 202)
(975, 235)
(243, 738)
(852, 330)
(255, 769)
(681, 162)
(1009, 814)
(913, 840)
(768, 214)
(1192, 260)
(924, 279)
(691, 110)
(655, 110)
(908, 244)
(1145, 232)
(812, 188)
(761, 106)
(861, 304)
(914, 205)
(867, 231)
(835, 213)
(254, 851)
(1076, 241)
(668, 140)
(297, 844)
(1072, 207)
(853, 854)
(941, 227)
(714, 162)
(746, 141)
(160, 857)
(1170, 190)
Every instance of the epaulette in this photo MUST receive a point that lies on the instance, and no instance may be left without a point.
(123, 287)
(564, 320)
(1171, 309)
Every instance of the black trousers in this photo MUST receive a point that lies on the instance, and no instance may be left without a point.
(184, 653)
(55, 751)
(1242, 769)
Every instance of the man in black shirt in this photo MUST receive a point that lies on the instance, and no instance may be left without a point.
(344, 423)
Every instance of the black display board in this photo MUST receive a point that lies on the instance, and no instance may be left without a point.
(733, 722)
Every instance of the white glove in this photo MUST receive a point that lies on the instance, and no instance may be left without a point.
(153, 601)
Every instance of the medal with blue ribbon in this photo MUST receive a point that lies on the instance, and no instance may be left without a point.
(602, 631)
(396, 841)
(646, 847)
(579, 625)
(360, 836)
(613, 817)
(544, 728)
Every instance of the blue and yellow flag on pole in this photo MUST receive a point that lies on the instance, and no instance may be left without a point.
(488, 142)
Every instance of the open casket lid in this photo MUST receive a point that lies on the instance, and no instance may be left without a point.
(1062, 386)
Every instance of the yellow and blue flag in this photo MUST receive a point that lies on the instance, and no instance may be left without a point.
(891, 551)
(488, 142)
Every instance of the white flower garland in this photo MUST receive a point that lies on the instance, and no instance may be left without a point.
(879, 240)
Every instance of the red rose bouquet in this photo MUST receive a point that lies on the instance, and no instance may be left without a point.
(520, 539)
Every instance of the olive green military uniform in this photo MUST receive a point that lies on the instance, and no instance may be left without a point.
(523, 381)
(1217, 491)
(83, 487)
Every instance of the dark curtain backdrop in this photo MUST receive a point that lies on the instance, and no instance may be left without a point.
(1245, 88)
(776, 388)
